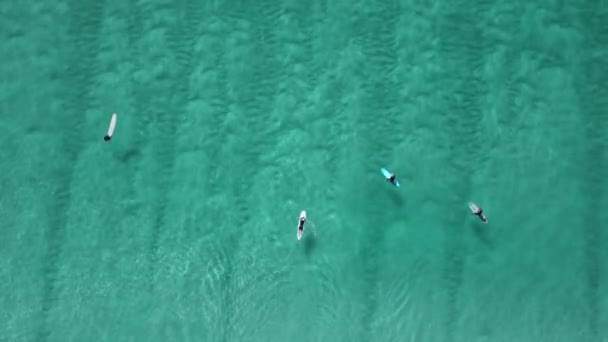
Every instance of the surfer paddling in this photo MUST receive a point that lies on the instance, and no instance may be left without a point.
(390, 177)
(477, 211)
(301, 222)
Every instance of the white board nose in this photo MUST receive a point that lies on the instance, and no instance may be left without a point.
(111, 128)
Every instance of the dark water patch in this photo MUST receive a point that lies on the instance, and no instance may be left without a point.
(214, 132)
(256, 98)
(310, 243)
(181, 40)
(139, 21)
(142, 108)
(240, 190)
(83, 32)
(462, 42)
(135, 22)
(508, 49)
(371, 265)
(325, 126)
(453, 278)
(128, 155)
(374, 27)
(482, 233)
(396, 198)
(376, 31)
(165, 154)
(593, 94)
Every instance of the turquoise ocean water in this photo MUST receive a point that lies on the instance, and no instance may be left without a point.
(235, 115)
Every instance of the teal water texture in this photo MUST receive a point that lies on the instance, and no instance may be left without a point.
(235, 115)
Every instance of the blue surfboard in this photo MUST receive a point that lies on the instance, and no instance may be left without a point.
(388, 175)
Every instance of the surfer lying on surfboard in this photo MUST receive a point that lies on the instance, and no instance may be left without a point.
(478, 212)
(390, 177)
(301, 224)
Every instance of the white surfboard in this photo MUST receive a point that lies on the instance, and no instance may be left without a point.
(301, 231)
(111, 127)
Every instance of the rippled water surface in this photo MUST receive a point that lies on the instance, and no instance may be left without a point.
(235, 115)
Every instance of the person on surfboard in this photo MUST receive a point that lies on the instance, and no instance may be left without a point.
(301, 225)
(389, 176)
(477, 211)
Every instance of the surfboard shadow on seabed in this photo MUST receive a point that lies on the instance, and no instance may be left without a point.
(482, 233)
(310, 243)
(396, 198)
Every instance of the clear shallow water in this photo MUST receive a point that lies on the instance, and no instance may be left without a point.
(233, 117)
